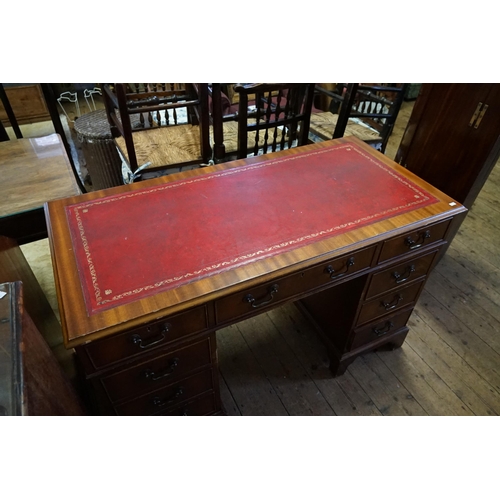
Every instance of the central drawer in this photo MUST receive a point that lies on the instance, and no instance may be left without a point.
(252, 300)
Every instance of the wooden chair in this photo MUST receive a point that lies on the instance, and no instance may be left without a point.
(270, 117)
(159, 127)
(367, 111)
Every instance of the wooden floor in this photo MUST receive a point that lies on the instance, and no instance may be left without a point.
(275, 364)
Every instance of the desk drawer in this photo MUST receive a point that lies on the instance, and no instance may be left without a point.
(204, 405)
(411, 242)
(382, 327)
(389, 302)
(406, 272)
(167, 397)
(158, 372)
(147, 338)
(252, 300)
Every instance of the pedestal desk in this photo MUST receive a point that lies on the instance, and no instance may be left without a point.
(147, 273)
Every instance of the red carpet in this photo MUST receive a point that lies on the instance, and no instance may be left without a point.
(137, 244)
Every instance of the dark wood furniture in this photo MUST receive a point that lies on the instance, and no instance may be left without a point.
(452, 139)
(26, 102)
(157, 354)
(31, 380)
(33, 171)
(367, 111)
(144, 119)
(270, 117)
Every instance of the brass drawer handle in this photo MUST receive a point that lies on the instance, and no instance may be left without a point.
(385, 329)
(420, 240)
(332, 272)
(391, 305)
(138, 340)
(272, 291)
(478, 114)
(401, 278)
(475, 115)
(165, 401)
(481, 115)
(151, 375)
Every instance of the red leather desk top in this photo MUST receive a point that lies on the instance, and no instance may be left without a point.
(136, 244)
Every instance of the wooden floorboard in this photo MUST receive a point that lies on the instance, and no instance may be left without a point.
(474, 392)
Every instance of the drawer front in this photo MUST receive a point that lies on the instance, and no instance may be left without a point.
(389, 302)
(411, 242)
(147, 338)
(169, 396)
(406, 272)
(380, 328)
(252, 300)
(157, 372)
(204, 405)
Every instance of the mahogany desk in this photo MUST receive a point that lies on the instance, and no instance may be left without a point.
(146, 273)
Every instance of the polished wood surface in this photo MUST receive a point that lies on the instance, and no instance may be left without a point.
(79, 328)
(34, 171)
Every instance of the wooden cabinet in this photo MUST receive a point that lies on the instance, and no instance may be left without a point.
(27, 102)
(452, 139)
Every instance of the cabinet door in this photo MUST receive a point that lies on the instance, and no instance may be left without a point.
(442, 144)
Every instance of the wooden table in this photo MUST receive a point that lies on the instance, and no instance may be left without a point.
(33, 172)
(146, 273)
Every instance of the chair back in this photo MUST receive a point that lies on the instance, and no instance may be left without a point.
(374, 105)
(136, 107)
(270, 117)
